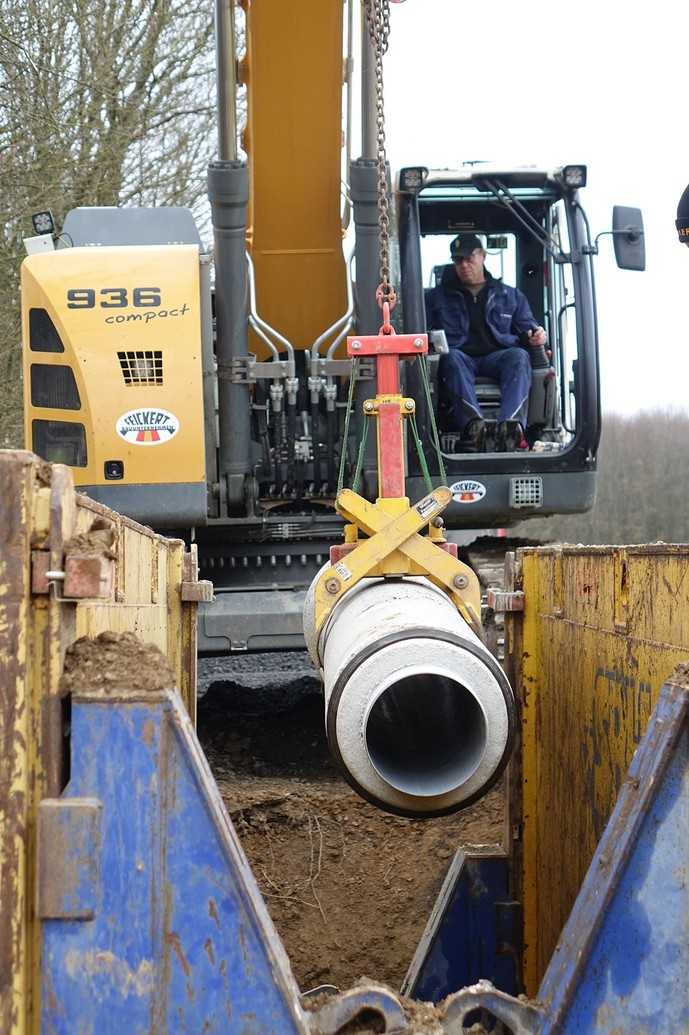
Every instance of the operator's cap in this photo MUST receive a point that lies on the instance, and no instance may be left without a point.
(464, 245)
(682, 221)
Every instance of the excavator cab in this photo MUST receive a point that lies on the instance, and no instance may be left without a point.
(537, 239)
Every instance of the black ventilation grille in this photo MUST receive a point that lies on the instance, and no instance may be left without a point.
(54, 386)
(526, 492)
(59, 442)
(141, 368)
(42, 334)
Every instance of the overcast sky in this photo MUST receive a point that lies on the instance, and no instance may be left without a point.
(554, 83)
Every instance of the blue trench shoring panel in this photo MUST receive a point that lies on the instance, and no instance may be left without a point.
(621, 966)
(152, 921)
(622, 962)
(471, 933)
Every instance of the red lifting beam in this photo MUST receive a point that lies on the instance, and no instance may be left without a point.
(389, 406)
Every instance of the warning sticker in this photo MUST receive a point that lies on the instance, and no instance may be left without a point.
(427, 506)
(343, 571)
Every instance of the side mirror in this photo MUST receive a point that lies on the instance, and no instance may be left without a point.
(628, 238)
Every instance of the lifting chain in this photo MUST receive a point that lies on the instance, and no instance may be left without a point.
(378, 20)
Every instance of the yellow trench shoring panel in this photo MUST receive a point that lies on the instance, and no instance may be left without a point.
(146, 589)
(294, 76)
(602, 629)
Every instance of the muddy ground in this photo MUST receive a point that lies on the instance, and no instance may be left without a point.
(349, 888)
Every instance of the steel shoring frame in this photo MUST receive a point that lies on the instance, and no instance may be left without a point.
(622, 959)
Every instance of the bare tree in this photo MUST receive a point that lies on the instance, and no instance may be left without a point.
(101, 103)
(643, 474)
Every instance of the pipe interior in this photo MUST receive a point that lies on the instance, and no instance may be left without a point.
(426, 734)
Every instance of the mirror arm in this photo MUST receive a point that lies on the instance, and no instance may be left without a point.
(633, 234)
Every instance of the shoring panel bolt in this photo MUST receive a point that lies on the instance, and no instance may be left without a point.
(369, 406)
(332, 586)
(356, 345)
(438, 522)
(409, 404)
(460, 582)
(418, 343)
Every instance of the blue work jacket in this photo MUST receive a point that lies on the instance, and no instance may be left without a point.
(508, 314)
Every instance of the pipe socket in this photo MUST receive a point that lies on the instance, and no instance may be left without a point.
(419, 715)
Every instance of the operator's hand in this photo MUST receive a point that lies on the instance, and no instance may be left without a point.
(537, 337)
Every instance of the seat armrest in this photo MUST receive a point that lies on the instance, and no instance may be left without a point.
(438, 342)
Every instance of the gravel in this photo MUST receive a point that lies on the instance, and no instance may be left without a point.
(255, 671)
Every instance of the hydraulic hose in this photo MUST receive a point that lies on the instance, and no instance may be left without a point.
(331, 435)
(315, 443)
(291, 443)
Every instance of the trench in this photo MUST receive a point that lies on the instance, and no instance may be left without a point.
(348, 887)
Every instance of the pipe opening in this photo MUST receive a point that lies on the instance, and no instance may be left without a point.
(426, 734)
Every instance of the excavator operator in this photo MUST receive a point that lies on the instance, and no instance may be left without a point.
(492, 333)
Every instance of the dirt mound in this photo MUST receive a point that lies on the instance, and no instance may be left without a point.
(680, 677)
(115, 661)
(349, 888)
(96, 542)
(275, 729)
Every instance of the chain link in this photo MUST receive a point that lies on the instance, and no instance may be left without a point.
(378, 20)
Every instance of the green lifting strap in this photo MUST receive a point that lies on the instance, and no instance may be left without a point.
(348, 414)
(421, 455)
(415, 433)
(360, 458)
(434, 429)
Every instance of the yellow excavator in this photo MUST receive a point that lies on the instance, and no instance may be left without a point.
(215, 407)
(129, 901)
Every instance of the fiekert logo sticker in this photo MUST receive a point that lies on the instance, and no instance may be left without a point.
(467, 491)
(147, 427)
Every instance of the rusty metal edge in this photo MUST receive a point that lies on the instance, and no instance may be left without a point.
(16, 477)
(101, 510)
(609, 549)
(636, 795)
(180, 726)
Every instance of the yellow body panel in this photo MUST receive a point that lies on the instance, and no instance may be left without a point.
(602, 629)
(294, 73)
(93, 335)
(152, 579)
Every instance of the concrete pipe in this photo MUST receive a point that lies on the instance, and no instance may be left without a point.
(419, 715)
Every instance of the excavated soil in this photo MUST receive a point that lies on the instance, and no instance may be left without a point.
(97, 541)
(680, 677)
(114, 661)
(349, 888)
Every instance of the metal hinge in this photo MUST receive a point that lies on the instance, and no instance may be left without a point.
(200, 592)
(193, 589)
(246, 370)
(83, 576)
(501, 600)
(323, 366)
